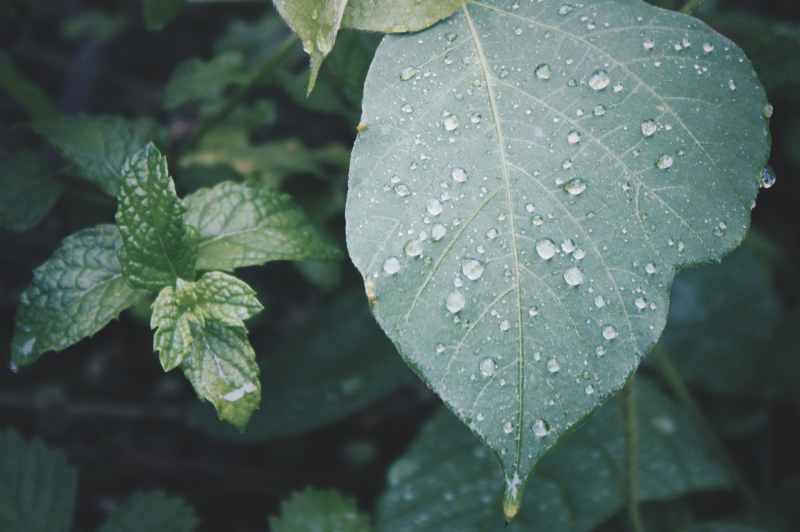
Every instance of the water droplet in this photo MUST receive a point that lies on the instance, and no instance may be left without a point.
(543, 71)
(600, 350)
(451, 122)
(650, 268)
(599, 110)
(314, 15)
(407, 108)
(599, 80)
(391, 265)
(640, 303)
(529, 207)
(473, 269)
(552, 365)
(533, 312)
(732, 84)
(618, 87)
(767, 110)
(402, 190)
(440, 348)
(459, 174)
(566, 164)
(508, 427)
(574, 137)
(609, 332)
(438, 231)
(708, 47)
(649, 44)
(686, 42)
(664, 161)
(599, 302)
(537, 220)
(451, 36)
(575, 186)
(492, 233)
(589, 389)
(407, 73)
(649, 127)
(505, 325)
(568, 246)
(413, 248)
(566, 8)
(579, 254)
(475, 118)
(488, 367)
(518, 31)
(540, 428)
(456, 302)
(573, 276)
(767, 177)
(435, 207)
(546, 248)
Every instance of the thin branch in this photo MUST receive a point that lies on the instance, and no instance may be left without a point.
(264, 72)
(690, 6)
(673, 377)
(631, 459)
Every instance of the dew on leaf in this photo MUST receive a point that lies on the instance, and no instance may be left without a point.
(391, 265)
(574, 137)
(508, 427)
(600, 350)
(589, 389)
(540, 428)
(767, 110)
(568, 246)
(649, 44)
(767, 177)
(492, 233)
(451, 122)
(708, 47)
(407, 108)
(546, 248)
(599, 110)
(440, 348)
(537, 220)
(664, 161)
(488, 367)
(451, 36)
(543, 71)
(402, 190)
(575, 186)
(650, 268)
(566, 8)
(434, 207)
(553, 366)
(459, 174)
(438, 231)
(529, 207)
(413, 248)
(573, 276)
(475, 118)
(456, 301)
(609, 332)
(640, 303)
(473, 269)
(649, 127)
(407, 73)
(505, 325)
(599, 80)
(686, 42)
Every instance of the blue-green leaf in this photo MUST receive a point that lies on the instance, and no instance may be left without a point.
(158, 248)
(28, 190)
(73, 295)
(37, 486)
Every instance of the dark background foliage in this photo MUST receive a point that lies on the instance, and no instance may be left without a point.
(122, 420)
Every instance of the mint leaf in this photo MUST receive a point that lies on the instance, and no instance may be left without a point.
(158, 12)
(31, 97)
(448, 480)
(315, 510)
(216, 296)
(222, 367)
(98, 145)
(28, 190)
(37, 486)
(205, 82)
(158, 247)
(244, 224)
(152, 512)
(73, 295)
(530, 179)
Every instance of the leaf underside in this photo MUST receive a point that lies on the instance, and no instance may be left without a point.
(530, 179)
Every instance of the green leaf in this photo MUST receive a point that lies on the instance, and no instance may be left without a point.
(149, 512)
(98, 145)
(157, 246)
(527, 185)
(73, 295)
(28, 190)
(31, 97)
(158, 12)
(397, 17)
(222, 367)
(350, 61)
(206, 83)
(37, 486)
(720, 318)
(448, 481)
(336, 364)
(319, 511)
(217, 296)
(243, 224)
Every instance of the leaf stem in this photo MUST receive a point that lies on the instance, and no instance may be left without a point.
(690, 6)
(264, 72)
(631, 462)
(673, 377)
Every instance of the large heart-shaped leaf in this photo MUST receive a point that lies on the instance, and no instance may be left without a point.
(531, 176)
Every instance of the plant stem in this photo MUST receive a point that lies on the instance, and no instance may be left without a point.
(690, 6)
(673, 377)
(263, 73)
(631, 495)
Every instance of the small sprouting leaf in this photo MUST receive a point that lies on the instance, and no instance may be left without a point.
(529, 181)
(28, 190)
(397, 17)
(244, 224)
(451, 479)
(205, 82)
(335, 365)
(98, 145)
(73, 295)
(157, 246)
(222, 367)
(216, 297)
(151, 512)
(158, 12)
(319, 511)
(32, 98)
(37, 486)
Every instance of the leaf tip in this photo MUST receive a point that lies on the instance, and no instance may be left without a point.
(513, 497)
